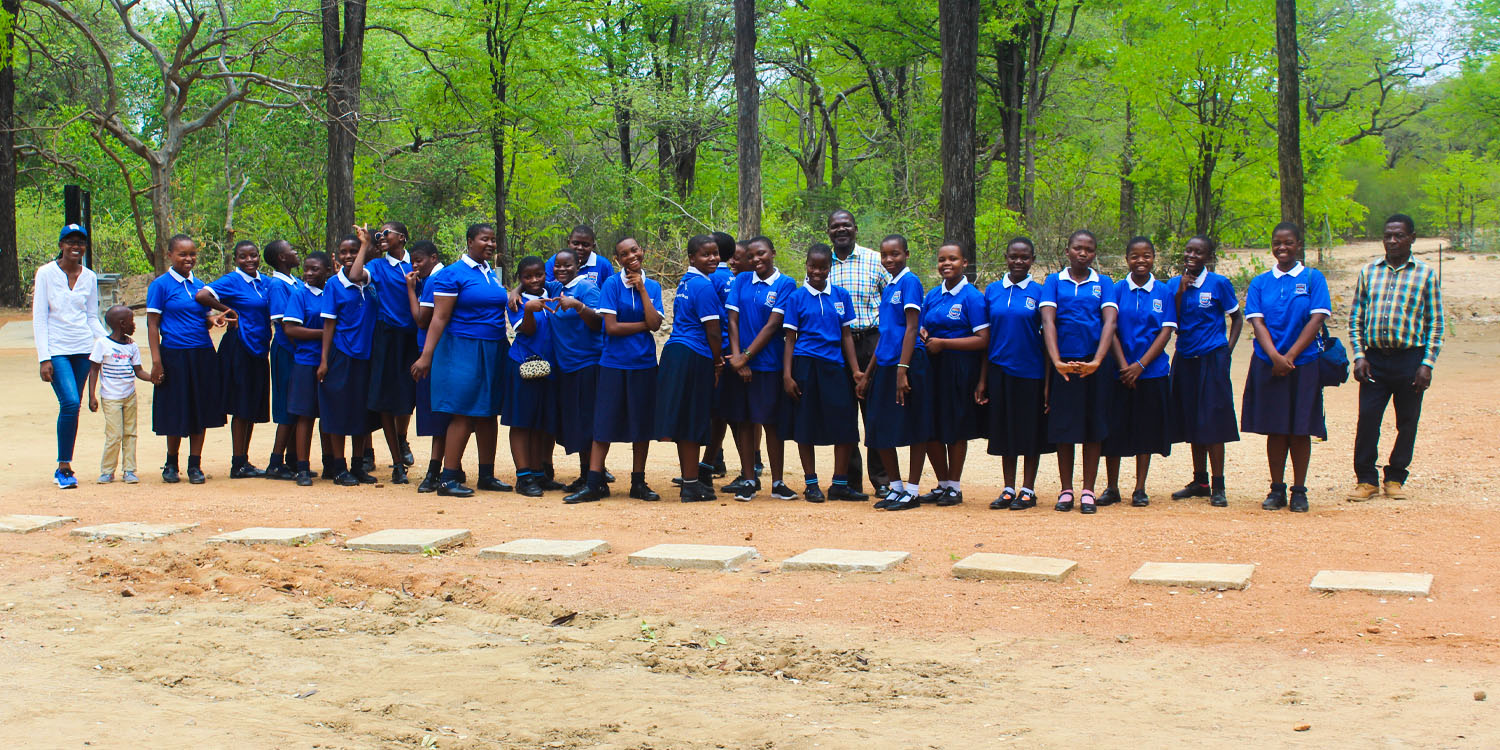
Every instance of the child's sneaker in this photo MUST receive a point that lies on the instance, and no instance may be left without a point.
(65, 479)
(106, 478)
(131, 478)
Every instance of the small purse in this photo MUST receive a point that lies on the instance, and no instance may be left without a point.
(535, 368)
(1333, 361)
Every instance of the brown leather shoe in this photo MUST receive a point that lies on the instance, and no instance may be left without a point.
(1395, 491)
(1363, 492)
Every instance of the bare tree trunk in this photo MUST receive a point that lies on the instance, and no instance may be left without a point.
(958, 30)
(747, 96)
(1010, 60)
(1127, 182)
(502, 190)
(343, 56)
(1202, 187)
(160, 195)
(10, 262)
(1288, 114)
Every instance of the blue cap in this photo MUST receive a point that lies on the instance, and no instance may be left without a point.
(72, 229)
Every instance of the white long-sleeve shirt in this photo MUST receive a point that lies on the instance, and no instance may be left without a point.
(64, 320)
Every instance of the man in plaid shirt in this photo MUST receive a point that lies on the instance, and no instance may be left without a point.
(857, 269)
(1396, 330)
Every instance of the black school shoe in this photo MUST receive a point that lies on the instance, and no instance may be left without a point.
(780, 491)
(364, 477)
(169, 474)
(429, 483)
(587, 495)
(528, 486)
(576, 485)
(246, 471)
(813, 494)
(366, 464)
(754, 484)
(608, 477)
(719, 469)
(453, 488)
(195, 475)
(1276, 499)
(548, 484)
(1139, 499)
(346, 479)
(1218, 500)
(1298, 502)
(697, 492)
(493, 484)
(406, 457)
(304, 479)
(1027, 499)
(1193, 489)
(950, 498)
(846, 493)
(398, 475)
(902, 501)
(932, 497)
(640, 491)
(1107, 497)
(1003, 502)
(280, 472)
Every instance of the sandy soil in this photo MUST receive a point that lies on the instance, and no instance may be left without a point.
(176, 643)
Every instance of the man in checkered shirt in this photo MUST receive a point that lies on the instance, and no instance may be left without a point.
(857, 269)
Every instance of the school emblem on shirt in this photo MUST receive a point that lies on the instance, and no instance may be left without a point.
(1030, 303)
(956, 311)
(1301, 289)
(770, 298)
(838, 307)
(1205, 299)
(1156, 305)
(896, 297)
(1098, 291)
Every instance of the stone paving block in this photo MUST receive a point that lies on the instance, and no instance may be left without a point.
(997, 566)
(706, 556)
(24, 524)
(1195, 575)
(546, 550)
(289, 537)
(1396, 584)
(132, 531)
(409, 541)
(846, 560)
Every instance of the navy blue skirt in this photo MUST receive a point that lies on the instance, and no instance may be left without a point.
(625, 405)
(343, 394)
(392, 353)
(281, 373)
(302, 391)
(247, 380)
(955, 416)
(1078, 408)
(827, 413)
(888, 424)
(429, 423)
(761, 401)
(1015, 416)
(1140, 418)
(468, 376)
(531, 404)
(190, 398)
(1203, 399)
(684, 396)
(1288, 405)
(577, 393)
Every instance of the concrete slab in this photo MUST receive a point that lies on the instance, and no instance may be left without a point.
(1395, 584)
(704, 556)
(409, 541)
(289, 537)
(24, 524)
(132, 531)
(845, 560)
(546, 550)
(997, 566)
(1195, 575)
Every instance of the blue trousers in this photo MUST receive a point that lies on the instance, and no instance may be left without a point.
(70, 374)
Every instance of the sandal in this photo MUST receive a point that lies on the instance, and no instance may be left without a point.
(1086, 503)
(1063, 506)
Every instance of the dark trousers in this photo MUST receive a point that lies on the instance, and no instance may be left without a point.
(864, 349)
(1391, 373)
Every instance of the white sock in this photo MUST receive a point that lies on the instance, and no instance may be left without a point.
(946, 484)
(1008, 491)
(913, 490)
(898, 486)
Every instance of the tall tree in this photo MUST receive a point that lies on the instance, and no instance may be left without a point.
(1288, 113)
(343, 60)
(10, 268)
(747, 96)
(958, 27)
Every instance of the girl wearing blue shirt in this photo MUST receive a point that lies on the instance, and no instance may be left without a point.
(302, 324)
(466, 353)
(393, 347)
(419, 297)
(1286, 307)
(732, 255)
(1078, 324)
(1012, 379)
(631, 307)
(281, 258)
(955, 330)
(243, 352)
(1140, 406)
(184, 367)
(1202, 396)
(531, 412)
(349, 310)
(691, 363)
(578, 339)
(898, 393)
(754, 400)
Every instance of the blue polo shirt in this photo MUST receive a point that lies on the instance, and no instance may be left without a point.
(305, 308)
(819, 319)
(351, 307)
(425, 299)
(479, 310)
(902, 293)
(388, 275)
(577, 345)
(1144, 310)
(1080, 306)
(754, 299)
(1200, 314)
(250, 298)
(184, 322)
(282, 287)
(1285, 302)
(595, 270)
(539, 342)
(697, 303)
(638, 350)
(1015, 316)
(723, 279)
(955, 313)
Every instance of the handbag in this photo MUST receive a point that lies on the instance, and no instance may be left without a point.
(1333, 361)
(535, 368)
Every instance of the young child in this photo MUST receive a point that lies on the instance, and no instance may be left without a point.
(955, 330)
(1012, 379)
(349, 310)
(898, 401)
(189, 391)
(691, 364)
(419, 297)
(393, 348)
(244, 294)
(578, 342)
(753, 396)
(117, 364)
(1141, 403)
(818, 350)
(302, 324)
(280, 256)
(531, 405)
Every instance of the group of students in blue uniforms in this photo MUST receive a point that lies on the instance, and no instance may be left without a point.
(568, 356)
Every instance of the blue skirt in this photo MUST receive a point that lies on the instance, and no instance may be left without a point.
(761, 401)
(827, 413)
(468, 376)
(684, 396)
(1289, 405)
(429, 422)
(890, 425)
(343, 394)
(625, 405)
(1140, 418)
(392, 353)
(532, 404)
(1203, 399)
(190, 398)
(955, 416)
(577, 393)
(1078, 408)
(302, 391)
(1015, 416)
(246, 380)
(281, 373)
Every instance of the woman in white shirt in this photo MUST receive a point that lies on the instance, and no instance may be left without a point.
(65, 323)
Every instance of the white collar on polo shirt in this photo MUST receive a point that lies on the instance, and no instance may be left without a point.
(1148, 286)
(775, 274)
(694, 269)
(283, 277)
(574, 282)
(827, 288)
(471, 263)
(316, 290)
(345, 280)
(1296, 271)
(1199, 279)
(179, 278)
(405, 257)
(247, 277)
(898, 276)
(963, 281)
(1006, 283)
(1067, 275)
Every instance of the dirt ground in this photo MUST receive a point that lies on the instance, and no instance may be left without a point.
(178, 643)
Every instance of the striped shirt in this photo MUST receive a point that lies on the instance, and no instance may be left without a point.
(1397, 308)
(862, 276)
